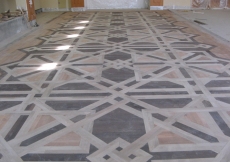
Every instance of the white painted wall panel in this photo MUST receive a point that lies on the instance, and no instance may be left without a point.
(116, 4)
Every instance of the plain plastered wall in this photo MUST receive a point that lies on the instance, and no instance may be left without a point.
(54, 4)
(11, 4)
(21, 3)
(37, 4)
(49, 3)
(7, 5)
(62, 3)
(3, 6)
(186, 3)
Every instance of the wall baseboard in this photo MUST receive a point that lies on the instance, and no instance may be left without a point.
(54, 9)
(75, 9)
(156, 7)
(63, 9)
(178, 7)
(170, 7)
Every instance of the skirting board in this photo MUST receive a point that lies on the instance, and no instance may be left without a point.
(75, 9)
(178, 7)
(54, 9)
(156, 7)
(169, 7)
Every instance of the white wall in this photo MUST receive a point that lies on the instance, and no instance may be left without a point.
(177, 3)
(37, 4)
(7, 5)
(2, 9)
(21, 3)
(12, 5)
(93, 4)
(114, 4)
(49, 3)
(3, 6)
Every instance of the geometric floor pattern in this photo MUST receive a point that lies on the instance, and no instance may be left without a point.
(116, 87)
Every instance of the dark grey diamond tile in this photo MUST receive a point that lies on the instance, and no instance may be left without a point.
(192, 83)
(118, 89)
(118, 55)
(132, 156)
(106, 157)
(118, 75)
(118, 99)
(119, 149)
(118, 40)
(118, 123)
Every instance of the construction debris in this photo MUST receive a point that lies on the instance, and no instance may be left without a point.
(8, 15)
(199, 22)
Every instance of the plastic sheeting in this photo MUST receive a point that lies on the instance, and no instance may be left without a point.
(116, 4)
(210, 3)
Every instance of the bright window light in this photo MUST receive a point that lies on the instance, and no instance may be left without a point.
(80, 27)
(49, 66)
(62, 47)
(82, 22)
(73, 36)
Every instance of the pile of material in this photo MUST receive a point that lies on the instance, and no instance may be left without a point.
(207, 4)
(8, 15)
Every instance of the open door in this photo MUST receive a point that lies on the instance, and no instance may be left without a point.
(77, 3)
(31, 10)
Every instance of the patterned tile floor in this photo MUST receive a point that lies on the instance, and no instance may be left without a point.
(134, 86)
